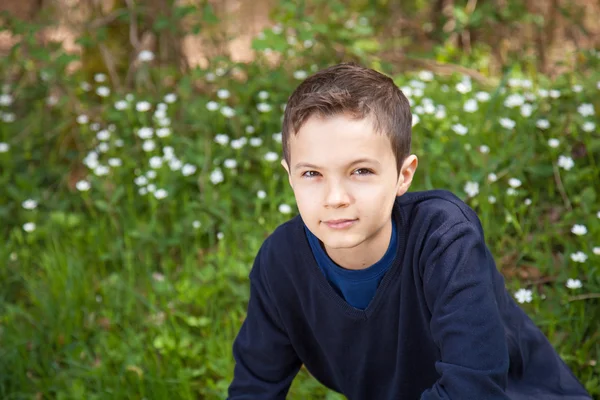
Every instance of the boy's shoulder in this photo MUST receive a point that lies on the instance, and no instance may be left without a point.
(435, 209)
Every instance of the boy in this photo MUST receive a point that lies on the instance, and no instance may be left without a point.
(380, 293)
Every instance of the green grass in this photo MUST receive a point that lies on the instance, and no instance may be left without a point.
(121, 295)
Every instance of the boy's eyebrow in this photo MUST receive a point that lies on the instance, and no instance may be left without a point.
(357, 161)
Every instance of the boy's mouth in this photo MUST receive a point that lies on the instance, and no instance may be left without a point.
(340, 223)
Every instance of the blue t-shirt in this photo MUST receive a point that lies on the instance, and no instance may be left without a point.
(357, 287)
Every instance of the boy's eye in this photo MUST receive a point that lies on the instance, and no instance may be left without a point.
(363, 171)
(310, 174)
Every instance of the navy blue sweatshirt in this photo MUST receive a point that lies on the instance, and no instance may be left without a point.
(441, 324)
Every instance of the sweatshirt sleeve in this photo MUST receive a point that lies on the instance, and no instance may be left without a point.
(465, 319)
(266, 362)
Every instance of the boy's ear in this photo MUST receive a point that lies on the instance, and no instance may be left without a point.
(409, 166)
(285, 166)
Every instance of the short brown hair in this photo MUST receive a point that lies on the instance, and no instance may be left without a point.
(357, 92)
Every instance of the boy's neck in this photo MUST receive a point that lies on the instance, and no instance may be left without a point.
(365, 254)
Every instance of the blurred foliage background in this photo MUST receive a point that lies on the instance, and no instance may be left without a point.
(139, 174)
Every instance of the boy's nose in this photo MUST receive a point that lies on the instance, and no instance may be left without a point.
(337, 196)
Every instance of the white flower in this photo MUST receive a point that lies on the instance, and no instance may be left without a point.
(507, 123)
(151, 174)
(543, 93)
(471, 188)
(277, 137)
(102, 91)
(573, 284)
(82, 119)
(230, 163)
(223, 93)
(263, 107)
(464, 86)
(263, 95)
(514, 100)
(129, 97)
(577, 88)
(484, 149)
(227, 111)
(441, 112)
(554, 143)
(216, 176)
(417, 84)
(470, 106)
(85, 86)
(261, 194)
(211, 77)
(271, 156)
(308, 43)
(145, 56)
(579, 230)
(170, 98)
(212, 106)
(238, 143)
(511, 192)
(151, 188)
(596, 250)
(222, 139)
(6, 100)
(492, 199)
(426, 76)
(29, 227)
(103, 147)
(83, 186)
(598, 214)
(145, 133)
(524, 296)
(566, 162)
(155, 162)
(415, 119)
(142, 106)
(101, 170)
(220, 235)
(148, 145)
(514, 182)
(526, 110)
(8, 117)
(160, 194)
(255, 141)
(160, 113)
(4, 147)
(163, 132)
(220, 71)
(188, 169)
(142, 191)
(196, 224)
(527, 202)
(579, 257)
(460, 129)
(492, 177)
(482, 96)
(588, 126)
(104, 134)
(418, 92)
(29, 204)
(300, 74)
(91, 160)
(555, 94)
(175, 164)
(121, 105)
(586, 109)
(250, 129)
(141, 180)
(285, 209)
(100, 78)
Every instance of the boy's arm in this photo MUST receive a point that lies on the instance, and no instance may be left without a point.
(266, 362)
(465, 319)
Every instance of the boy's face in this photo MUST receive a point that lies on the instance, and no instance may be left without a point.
(345, 180)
